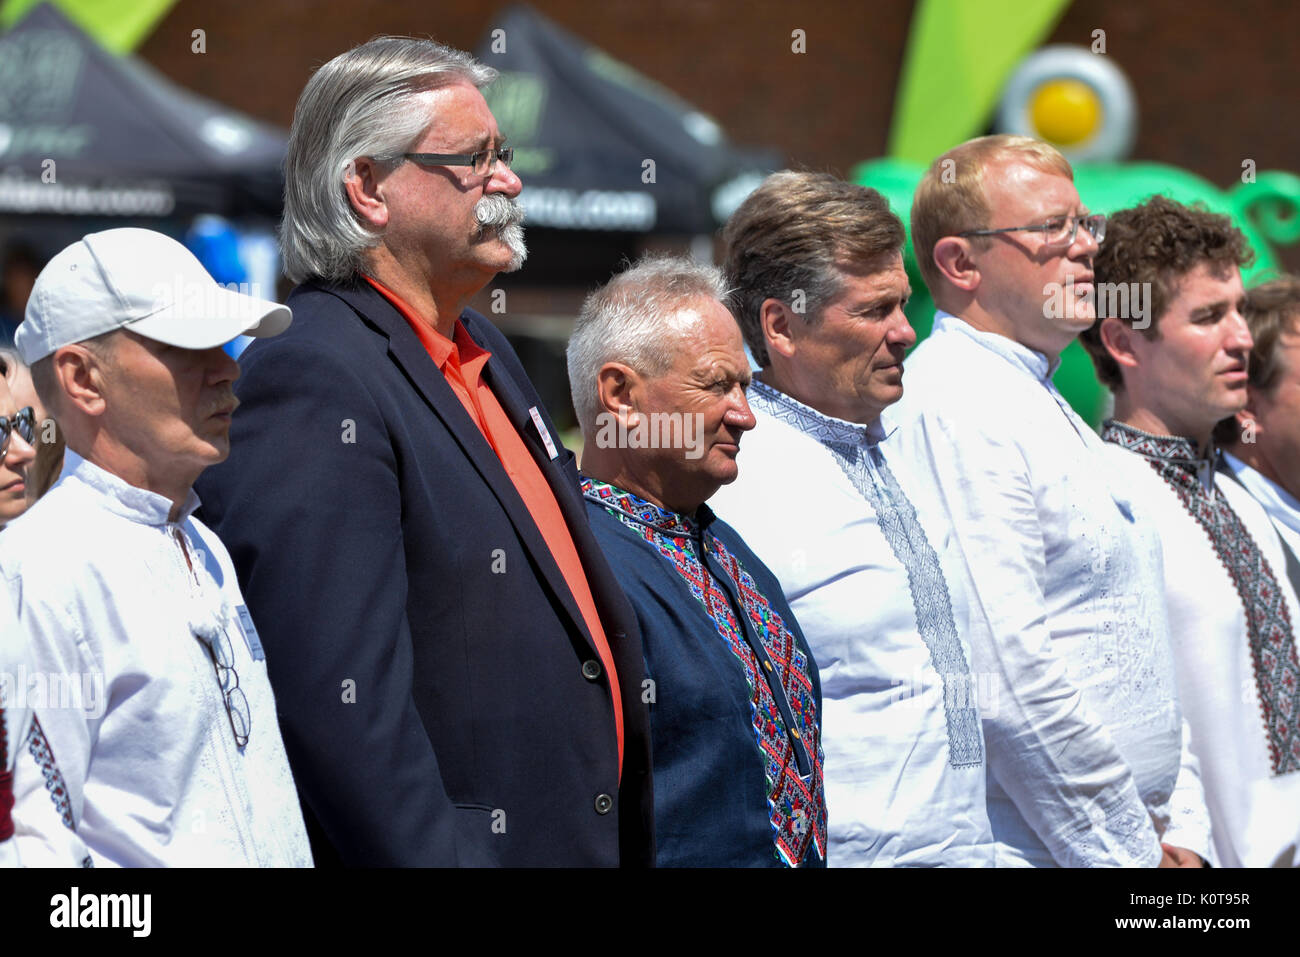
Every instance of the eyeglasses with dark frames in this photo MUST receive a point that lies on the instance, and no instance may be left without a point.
(482, 162)
(23, 422)
(1060, 231)
(223, 661)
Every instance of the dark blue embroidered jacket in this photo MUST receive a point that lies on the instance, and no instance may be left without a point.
(733, 786)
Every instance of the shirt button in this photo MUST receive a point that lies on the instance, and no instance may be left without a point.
(603, 803)
(591, 670)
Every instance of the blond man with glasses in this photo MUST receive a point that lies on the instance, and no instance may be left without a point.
(1086, 742)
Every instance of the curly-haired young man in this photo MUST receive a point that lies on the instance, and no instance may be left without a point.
(1232, 609)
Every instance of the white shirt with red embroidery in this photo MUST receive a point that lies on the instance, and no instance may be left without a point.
(22, 744)
(1254, 813)
(119, 607)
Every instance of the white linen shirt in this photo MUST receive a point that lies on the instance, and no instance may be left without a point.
(1280, 504)
(1086, 742)
(1255, 813)
(17, 695)
(99, 578)
(898, 793)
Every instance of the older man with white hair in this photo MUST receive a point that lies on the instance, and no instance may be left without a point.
(658, 373)
(156, 706)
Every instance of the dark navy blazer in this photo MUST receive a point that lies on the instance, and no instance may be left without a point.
(440, 696)
(710, 785)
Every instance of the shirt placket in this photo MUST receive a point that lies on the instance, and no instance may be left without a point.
(220, 738)
(716, 577)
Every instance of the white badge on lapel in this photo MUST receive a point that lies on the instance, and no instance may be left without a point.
(551, 450)
(250, 633)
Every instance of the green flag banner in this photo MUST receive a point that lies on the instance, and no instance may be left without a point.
(118, 26)
(959, 55)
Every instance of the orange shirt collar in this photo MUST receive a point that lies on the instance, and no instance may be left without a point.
(439, 347)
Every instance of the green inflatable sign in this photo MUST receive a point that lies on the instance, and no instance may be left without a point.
(1266, 207)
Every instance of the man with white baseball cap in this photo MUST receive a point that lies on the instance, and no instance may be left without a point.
(154, 697)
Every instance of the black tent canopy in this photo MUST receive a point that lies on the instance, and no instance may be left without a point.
(124, 140)
(586, 128)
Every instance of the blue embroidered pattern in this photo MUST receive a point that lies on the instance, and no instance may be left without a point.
(855, 450)
(796, 806)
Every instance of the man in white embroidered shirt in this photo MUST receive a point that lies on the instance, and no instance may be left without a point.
(173, 756)
(1086, 746)
(1261, 443)
(818, 268)
(1232, 603)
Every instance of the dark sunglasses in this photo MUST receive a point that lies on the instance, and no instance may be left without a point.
(24, 421)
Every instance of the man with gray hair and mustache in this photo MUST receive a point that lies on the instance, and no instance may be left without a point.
(458, 674)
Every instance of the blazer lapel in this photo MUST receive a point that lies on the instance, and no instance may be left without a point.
(409, 354)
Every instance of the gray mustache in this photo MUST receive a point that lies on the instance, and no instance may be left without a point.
(498, 211)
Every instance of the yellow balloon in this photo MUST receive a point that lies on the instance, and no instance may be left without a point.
(1065, 112)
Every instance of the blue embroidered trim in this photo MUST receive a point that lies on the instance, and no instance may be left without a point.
(823, 428)
(854, 449)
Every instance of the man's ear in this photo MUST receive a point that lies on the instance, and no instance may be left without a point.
(81, 375)
(952, 257)
(362, 182)
(776, 319)
(1117, 339)
(616, 388)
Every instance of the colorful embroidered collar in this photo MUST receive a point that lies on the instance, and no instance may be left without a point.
(1173, 456)
(646, 513)
(1166, 448)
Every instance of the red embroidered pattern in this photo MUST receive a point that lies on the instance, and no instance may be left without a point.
(40, 750)
(6, 780)
(797, 808)
(1268, 625)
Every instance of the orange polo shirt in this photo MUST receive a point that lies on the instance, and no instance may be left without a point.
(461, 361)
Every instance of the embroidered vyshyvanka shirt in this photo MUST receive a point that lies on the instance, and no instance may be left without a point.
(1084, 733)
(733, 690)
(108, 603)
(1232, 617)
(22, 742)
(818, 499)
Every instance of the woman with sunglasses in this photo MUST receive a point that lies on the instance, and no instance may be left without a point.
(17, 432)
(48, 438)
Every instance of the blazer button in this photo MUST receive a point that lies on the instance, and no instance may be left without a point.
(603, 803)
(591, 670)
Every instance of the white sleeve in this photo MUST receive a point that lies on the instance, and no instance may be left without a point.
(44, 832)
(1053, 758)
(42, 815)
(1189, 818)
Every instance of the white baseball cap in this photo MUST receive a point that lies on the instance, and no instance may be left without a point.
(143, 281)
